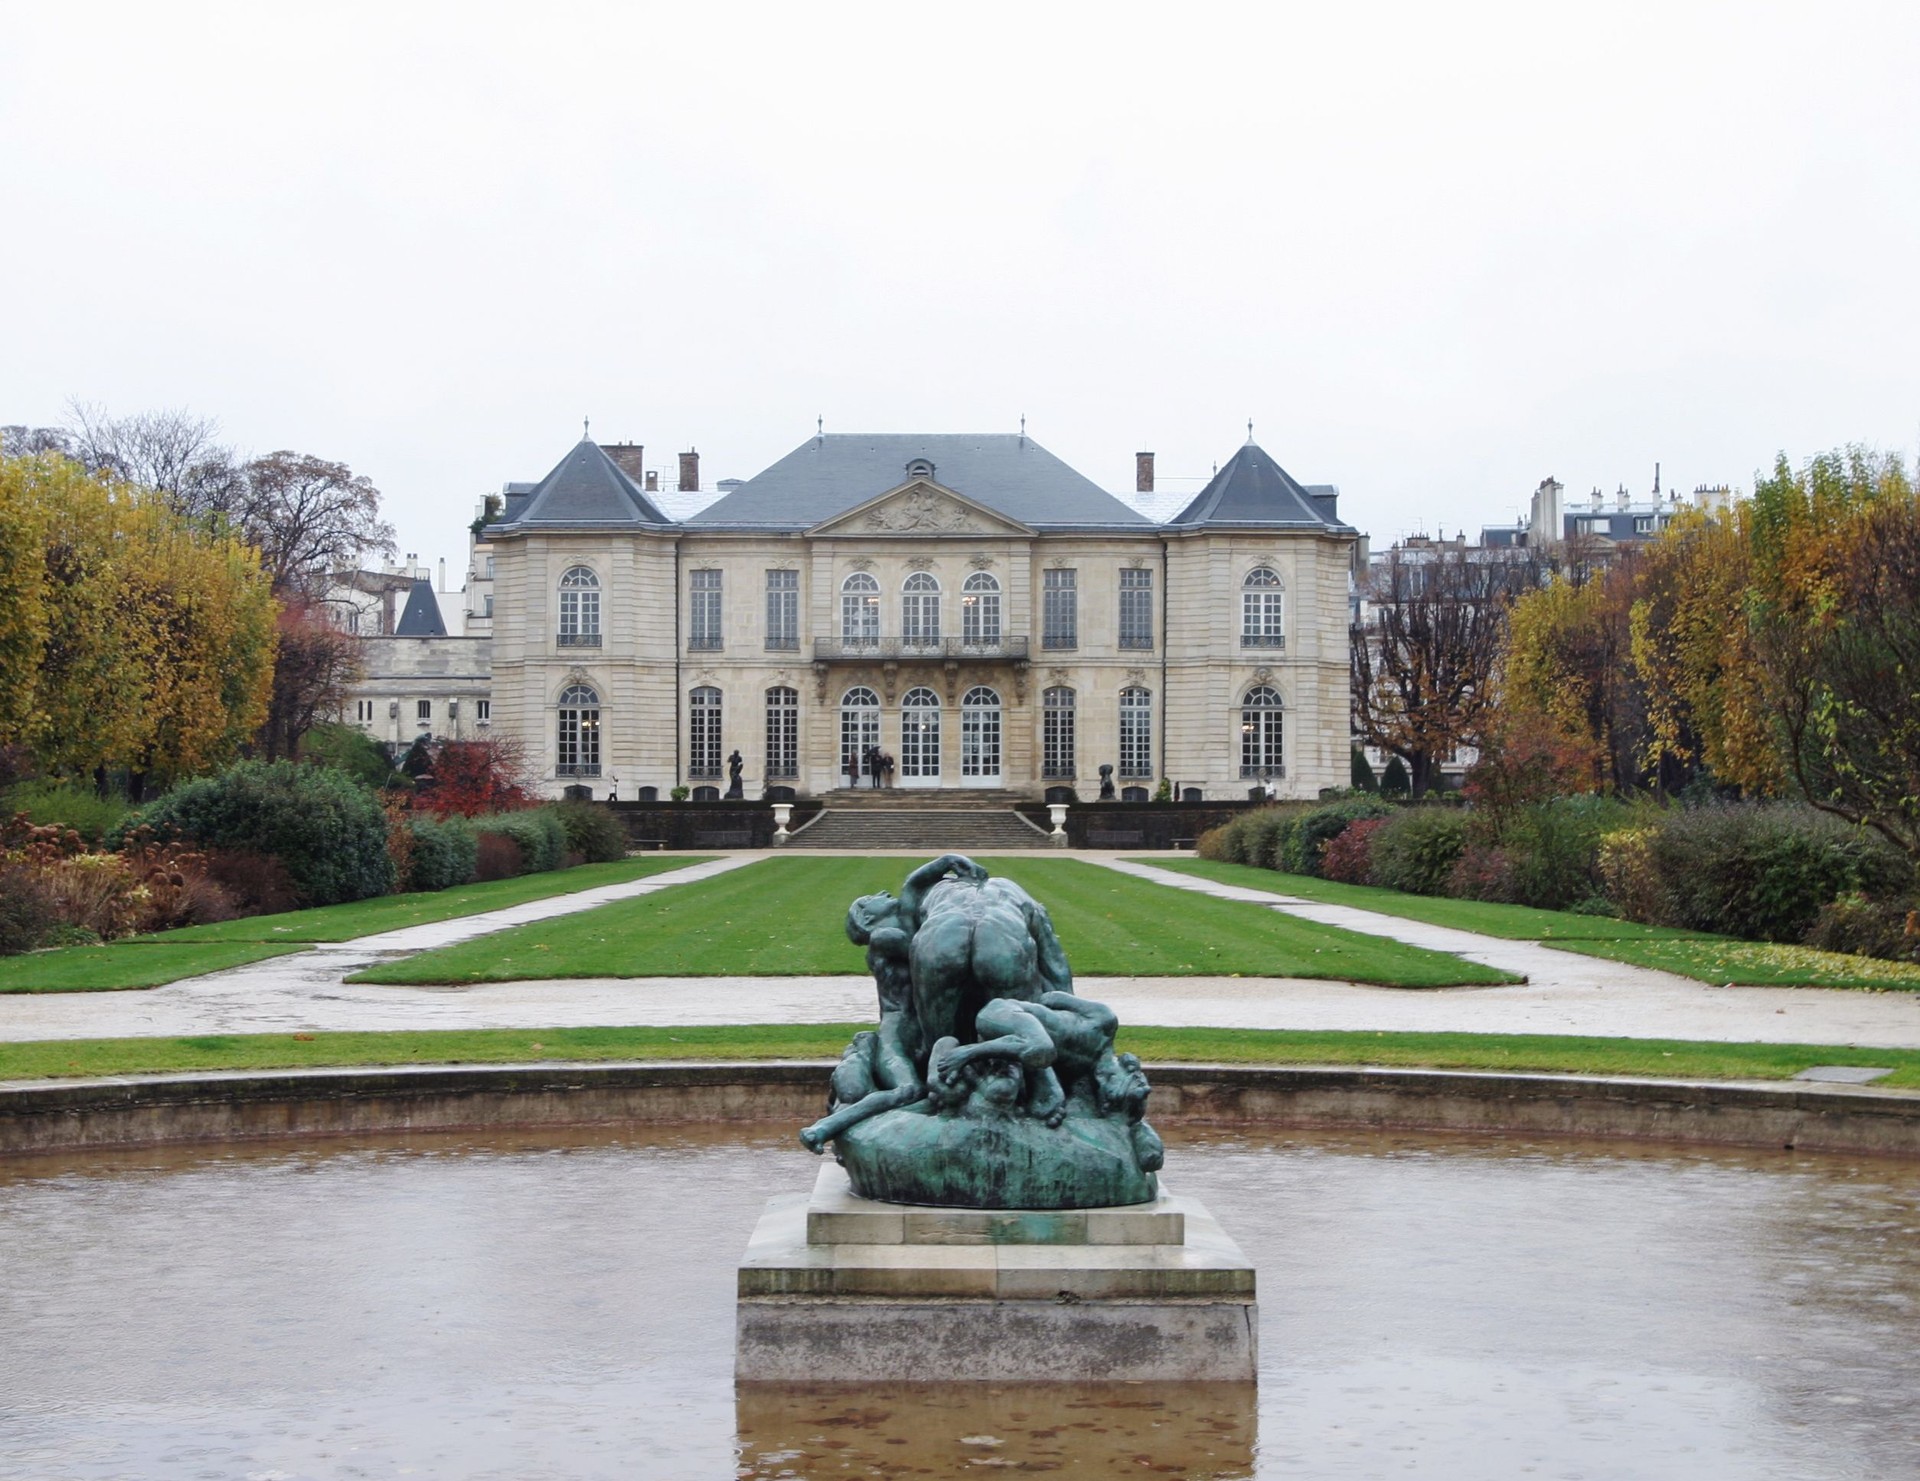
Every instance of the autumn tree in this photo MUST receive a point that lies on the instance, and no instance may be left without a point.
(471, 777)
(310, 517)
(129, 636)
(1834, 618)
(1423, 669)
(314, 666)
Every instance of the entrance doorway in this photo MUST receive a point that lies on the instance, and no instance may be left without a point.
(859, 733)
(920, 739)
(980, 738)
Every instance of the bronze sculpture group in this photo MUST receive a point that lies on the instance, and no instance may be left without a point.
(987, 1083)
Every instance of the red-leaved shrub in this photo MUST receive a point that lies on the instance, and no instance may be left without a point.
(1348, 856)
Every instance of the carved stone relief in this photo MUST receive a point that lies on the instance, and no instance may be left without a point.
(921, 510)
(921, 563)
(980, 562)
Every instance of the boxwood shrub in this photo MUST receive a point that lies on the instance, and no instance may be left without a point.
(325, 829)
(445, 853)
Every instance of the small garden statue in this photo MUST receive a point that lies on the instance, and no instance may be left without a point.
(987, 1083)
(1106, 781)
(735, 788)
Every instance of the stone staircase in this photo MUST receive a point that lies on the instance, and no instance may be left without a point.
(942, 822)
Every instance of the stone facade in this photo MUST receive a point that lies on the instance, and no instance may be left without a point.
(967, 629)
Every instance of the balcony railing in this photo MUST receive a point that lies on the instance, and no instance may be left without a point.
(577, 768)
(579, 640)
(889, 650)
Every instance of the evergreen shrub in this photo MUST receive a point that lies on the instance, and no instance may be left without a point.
(1417, 848)
(593, 832)
(538, 834)
(325, 829)
(1303, 845)
(445, 853)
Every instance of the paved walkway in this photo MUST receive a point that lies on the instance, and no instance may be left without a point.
(1566, 993)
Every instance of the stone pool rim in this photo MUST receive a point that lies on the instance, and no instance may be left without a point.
(107, 1112)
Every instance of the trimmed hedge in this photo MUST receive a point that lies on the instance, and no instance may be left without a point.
(537, 832)
(446, 852)
(593, 832)
(1417, 849)
(326, 830)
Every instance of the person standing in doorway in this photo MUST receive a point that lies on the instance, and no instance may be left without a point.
(886, 768)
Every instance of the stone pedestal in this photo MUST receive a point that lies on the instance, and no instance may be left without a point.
(838, 1287)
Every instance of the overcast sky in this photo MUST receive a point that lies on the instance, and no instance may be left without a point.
(1435, 252)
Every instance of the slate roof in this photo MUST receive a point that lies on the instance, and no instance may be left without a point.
(421, 617)
(1252, 490)
(1006, 472)
(586, 487)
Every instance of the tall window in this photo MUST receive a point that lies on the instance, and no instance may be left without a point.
(1136, 733)
(703, 732)
(859, 730)
(703, 616)
(1261, 599)
(579, 609)
(1260, 731)
(1056, 733)
(980, 733)
(920, 611)
(1060, 609)
(1136, 609)
(919, 735)
(783, 731)
(783, 609)
(860, 611)
(980, 611)
(579, 752)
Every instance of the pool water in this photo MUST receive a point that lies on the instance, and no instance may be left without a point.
(560, 1304)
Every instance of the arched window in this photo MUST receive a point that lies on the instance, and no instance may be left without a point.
(783, 731)
(1136, 732)
(980, 611)
(1262, 598)
(703, 732)
(859, 730)
(920, 611)
(860, 611)
(920, 736)
(579, 609)
(579, 736)
(1260, 734)
(1056, 733)
(920, 468)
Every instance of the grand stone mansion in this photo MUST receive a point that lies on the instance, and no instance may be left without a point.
(968, 604)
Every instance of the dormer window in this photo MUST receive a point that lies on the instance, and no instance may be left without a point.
(920, 468)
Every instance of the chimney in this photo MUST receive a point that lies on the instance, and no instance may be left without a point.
(1143, 473)
(653, 481)
(628, 457)
(443, 573)
(690, 471)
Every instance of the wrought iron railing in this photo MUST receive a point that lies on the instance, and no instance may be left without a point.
(578, 640)
(831, 650)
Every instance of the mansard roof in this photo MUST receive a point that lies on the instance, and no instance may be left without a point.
(421, 616)
(1253, 490)
(1006, 472)
(587, 488)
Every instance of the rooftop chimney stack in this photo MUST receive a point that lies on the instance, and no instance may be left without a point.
(690, 471)
(628, 457)
(1143, 473)
(653, 480)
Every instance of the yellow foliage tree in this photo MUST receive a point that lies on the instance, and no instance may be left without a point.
(128, 637)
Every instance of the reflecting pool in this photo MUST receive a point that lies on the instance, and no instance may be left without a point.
(560, 1304)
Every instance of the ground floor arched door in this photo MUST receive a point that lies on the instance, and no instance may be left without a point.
(859, 733)
(980, 736)
(920, 739)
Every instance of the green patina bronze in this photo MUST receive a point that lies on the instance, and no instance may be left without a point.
(987, 1083)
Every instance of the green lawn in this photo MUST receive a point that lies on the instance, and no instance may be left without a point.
(393, 912)
(127, 964)
(786, 917)
(1681, 1059)
(1755, 963)
(1511, 922)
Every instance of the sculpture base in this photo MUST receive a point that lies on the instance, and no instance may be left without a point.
(881, 1292)
(1012, 1163)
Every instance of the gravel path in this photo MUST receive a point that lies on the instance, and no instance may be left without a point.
(1565, 993)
